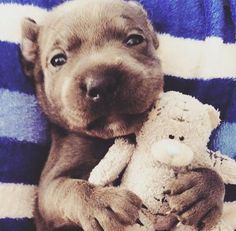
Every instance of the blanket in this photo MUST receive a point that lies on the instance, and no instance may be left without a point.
(24, 138)
(198, 55)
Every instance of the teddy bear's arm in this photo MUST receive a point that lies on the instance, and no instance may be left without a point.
(223, 165)
(110, 167)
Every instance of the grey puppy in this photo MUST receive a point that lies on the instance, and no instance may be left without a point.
(96, 75)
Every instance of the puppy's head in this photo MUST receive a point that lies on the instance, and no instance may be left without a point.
(94, 65)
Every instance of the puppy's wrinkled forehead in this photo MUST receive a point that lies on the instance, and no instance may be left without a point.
(92, 22)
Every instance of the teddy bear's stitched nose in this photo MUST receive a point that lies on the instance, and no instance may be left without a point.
(172, 152)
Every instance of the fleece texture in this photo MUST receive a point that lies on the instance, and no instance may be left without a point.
(149, 166)
(198, 53)
(197, 50)
(24, 136)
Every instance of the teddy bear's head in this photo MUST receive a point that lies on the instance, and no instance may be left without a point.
(178, 128)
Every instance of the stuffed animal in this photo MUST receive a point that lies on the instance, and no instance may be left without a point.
(174, 138)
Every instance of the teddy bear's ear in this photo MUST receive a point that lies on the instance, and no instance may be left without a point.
(214, 116)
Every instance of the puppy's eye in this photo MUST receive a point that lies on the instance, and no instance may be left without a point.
(58, 60)
(134, 39)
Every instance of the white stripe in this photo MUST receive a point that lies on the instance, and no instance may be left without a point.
(17, 200)
(11, 16)
(190, 58)
(187, 58)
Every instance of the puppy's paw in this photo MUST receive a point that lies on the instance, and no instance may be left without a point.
(196, 198)
(160, 221)
(165, 222)
(111, 209)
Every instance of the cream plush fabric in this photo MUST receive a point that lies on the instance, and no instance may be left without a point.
(175, 136)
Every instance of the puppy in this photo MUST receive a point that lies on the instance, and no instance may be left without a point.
(96, 76)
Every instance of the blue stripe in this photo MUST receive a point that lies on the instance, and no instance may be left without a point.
(221, 93)
(224, 139)
(11, 74)
(21, 118)
(40, 3)
(191, 19)
(232, 4)
(17, 224)
(188, 19)
(21, 162)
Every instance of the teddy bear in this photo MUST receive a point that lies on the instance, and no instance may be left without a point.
(173, 139)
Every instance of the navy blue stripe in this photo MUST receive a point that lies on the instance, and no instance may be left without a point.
(232, 4)
(230, 192)
(17, 224)
(221, 93)
(191, 19)
(11, 74)
(46, 4)
(21, 162)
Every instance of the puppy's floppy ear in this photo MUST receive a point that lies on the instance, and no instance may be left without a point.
(153, 34)
(29, 46)
(140, 8)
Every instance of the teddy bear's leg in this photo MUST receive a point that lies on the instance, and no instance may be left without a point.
(136, 227)
(182, 227)
(227, 222)
(222, 226)
(229, 211)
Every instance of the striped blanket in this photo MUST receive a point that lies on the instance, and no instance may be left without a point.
(198, 54)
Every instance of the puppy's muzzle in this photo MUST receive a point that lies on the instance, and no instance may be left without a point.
(102, 85)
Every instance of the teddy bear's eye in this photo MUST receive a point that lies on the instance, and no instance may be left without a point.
(171, 137)
(181, 138)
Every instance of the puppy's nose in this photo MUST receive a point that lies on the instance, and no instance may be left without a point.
(101, 86)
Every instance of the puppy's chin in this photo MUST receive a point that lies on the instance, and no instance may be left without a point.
(116, 125)
(110, 126)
